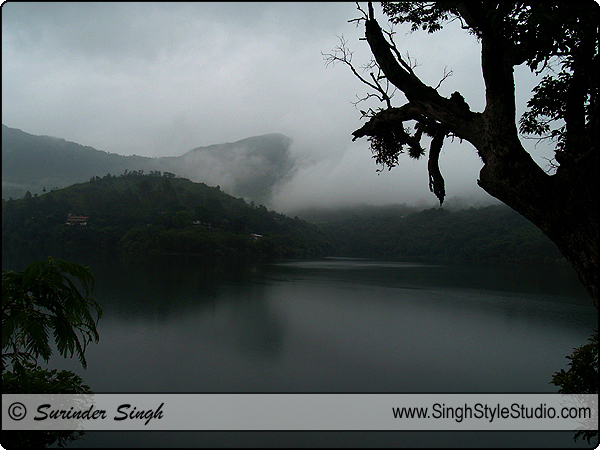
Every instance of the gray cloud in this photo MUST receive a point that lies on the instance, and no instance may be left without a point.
(158, 79)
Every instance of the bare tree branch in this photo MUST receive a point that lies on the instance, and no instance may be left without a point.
(447, 74)
(360, 19)
(406, 65)
(342, 54)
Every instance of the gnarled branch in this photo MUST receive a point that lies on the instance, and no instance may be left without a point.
(456, 117)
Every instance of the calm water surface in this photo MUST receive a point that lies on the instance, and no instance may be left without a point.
(183, 324)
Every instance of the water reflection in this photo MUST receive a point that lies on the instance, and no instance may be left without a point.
(185, 324)
(552, 280)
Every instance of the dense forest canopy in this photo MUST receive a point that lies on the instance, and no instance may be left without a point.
(487, 234)
(154, 213)
(162, 213)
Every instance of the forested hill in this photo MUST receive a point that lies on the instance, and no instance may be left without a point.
(399, 232)
(162, 213)
(154, 213)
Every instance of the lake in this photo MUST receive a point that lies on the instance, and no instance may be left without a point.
(185, 324)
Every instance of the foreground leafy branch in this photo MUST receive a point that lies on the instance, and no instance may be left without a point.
(45, 299)
(581, 378)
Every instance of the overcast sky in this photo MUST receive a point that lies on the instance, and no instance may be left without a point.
(158, 79)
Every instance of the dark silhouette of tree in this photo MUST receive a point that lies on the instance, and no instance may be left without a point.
(581, 378)
(48, 298)
(41, 298)
(557, 39)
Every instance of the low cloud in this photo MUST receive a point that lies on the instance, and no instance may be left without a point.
(160, 79)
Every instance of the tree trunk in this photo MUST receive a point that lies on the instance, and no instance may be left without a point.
(564, 205)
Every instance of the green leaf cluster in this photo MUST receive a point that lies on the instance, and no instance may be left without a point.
(45, 299)
(581, 377)
(32, 379)
(49, 298)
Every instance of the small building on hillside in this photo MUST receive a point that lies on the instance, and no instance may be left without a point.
(73, 219)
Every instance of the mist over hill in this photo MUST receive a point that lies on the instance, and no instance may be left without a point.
(250, 168)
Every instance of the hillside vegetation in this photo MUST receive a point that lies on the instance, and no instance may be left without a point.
(42, 163)
(162, 213)
(154, 213)
(493, 233)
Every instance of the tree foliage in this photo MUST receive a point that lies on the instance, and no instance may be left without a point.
(582, 376)
(44, 299)
(32, 379)
(558, 41)
(494, 234)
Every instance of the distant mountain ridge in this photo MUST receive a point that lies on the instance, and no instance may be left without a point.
(249, 168)
(32, 163)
